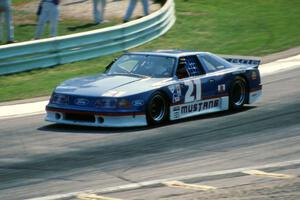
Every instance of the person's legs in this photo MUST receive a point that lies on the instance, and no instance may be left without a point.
(103, 4)
(2, 10)
(130, 9)
(43, 18)
(146, 7)
(96, 11)
(1, 25)
(54, 17)
(9, 24)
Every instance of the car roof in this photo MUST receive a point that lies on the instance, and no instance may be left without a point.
(169, 53)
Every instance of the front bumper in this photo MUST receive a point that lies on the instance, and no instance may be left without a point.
(86, 118)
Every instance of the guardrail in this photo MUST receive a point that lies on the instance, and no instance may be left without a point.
(75, 47)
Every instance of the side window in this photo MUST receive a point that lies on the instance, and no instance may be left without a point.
(212, 64)
(189, 66)
(181, 71)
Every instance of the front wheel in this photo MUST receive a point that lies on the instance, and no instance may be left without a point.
(157, 109)
(237, 93)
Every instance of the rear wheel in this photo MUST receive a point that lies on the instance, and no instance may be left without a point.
(157, 109)
(237, 93)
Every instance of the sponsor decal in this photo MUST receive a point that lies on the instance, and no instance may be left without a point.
(221, 88)
(194, 108)
(176, 92)
(176, 112)
(81, 102)
(200, 106)
(243, 61)
(171, 88)
(176, 108)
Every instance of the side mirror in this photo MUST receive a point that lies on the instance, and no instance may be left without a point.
(110, 64)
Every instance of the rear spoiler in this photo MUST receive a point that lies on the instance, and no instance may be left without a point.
(244, 61)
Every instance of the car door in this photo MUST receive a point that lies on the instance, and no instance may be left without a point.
(215, 70)
(191, 87)
(194, 81)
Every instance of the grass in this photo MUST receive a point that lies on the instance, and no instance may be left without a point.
(234, 27)
(228, 27)
(20, 1)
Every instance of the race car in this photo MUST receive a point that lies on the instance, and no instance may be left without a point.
(141, 88)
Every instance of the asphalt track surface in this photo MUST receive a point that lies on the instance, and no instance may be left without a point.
(39, 159)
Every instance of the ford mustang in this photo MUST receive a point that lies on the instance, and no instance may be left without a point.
(142, 88)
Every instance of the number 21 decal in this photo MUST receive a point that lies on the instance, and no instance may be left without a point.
(190, 95)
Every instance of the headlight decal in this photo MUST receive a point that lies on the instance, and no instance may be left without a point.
(60, 99)
(106, 103)
(118, 103)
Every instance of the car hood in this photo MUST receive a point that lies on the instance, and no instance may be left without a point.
(109, 85)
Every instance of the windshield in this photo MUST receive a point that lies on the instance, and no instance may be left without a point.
(146, 65)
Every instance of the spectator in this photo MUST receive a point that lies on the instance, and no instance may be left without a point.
(99, 6)
(5, 12)
(49, 12)
(131, 7)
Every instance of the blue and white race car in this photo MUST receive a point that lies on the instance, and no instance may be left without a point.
(143, 88)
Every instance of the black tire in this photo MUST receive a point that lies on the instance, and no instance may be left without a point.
(157, 109)
(237, 93)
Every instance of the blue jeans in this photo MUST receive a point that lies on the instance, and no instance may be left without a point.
(50, 12)
(131, 7)
(6, 14)
(98, 9)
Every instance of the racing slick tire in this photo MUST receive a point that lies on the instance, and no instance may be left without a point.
(237, 93)
(157, 109)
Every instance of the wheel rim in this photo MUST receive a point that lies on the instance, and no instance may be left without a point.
(157, 108)
(239, 93)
